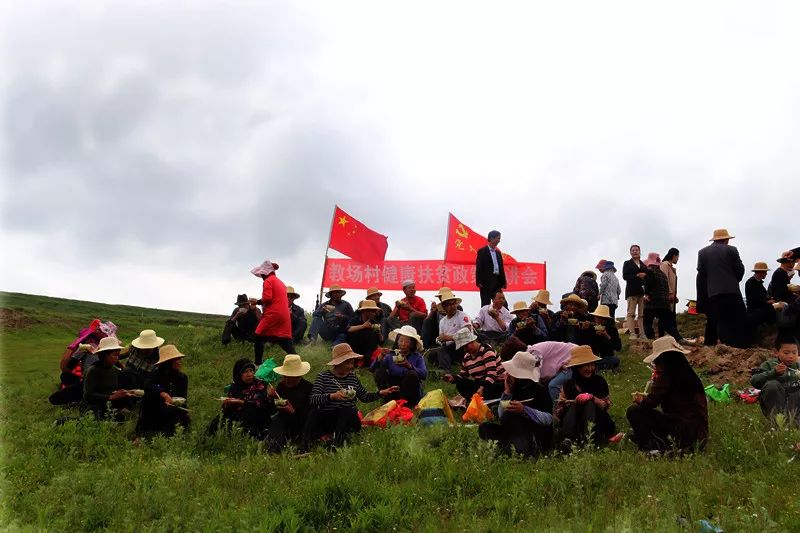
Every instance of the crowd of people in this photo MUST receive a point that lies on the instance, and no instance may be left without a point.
(542, 367)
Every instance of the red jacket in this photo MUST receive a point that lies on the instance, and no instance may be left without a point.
(276, 320)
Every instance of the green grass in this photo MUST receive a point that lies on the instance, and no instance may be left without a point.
(87, 475)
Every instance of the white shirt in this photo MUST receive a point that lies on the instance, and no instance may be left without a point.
(449, 326)
(487, 323)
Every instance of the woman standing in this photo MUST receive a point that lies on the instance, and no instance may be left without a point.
(668, 268)
(634, 272)
(275, 325)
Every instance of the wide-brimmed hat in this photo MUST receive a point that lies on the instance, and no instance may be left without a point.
(147, 339)
(524, 365)
(602, 311)
(664, 344)
(291, 292)
(573, 298)
(108, 344)
(608, 265)
(600, 264)
(793, 287)
(520, 306)
(241, 299)
(443, 290)
(446, 296)
(335, 288)
(543, 297)
(168, 353)
(463, 337)
(264, 269)
(293, 366)
(341, 353)
(784, 260)
(721, 235)
(406, 331)
(761, 267)
(368, 305)
(589, 273)
(372, 291)
(581, 355)
(652, 259)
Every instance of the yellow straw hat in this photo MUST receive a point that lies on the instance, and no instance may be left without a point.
(168, 353)
(293, 366)
(581, 355)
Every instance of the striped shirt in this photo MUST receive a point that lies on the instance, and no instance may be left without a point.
(326, 384)
(483, 366)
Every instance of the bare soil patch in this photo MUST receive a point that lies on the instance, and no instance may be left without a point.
(15, 319)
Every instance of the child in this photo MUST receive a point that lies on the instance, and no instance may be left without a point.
(779, 380)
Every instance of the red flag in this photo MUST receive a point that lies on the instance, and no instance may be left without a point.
(463, 243)
(355, 240)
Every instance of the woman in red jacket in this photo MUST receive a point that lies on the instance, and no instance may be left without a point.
(275, 325)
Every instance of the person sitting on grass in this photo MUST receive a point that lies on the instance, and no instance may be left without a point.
(101, 384)
(75, 362)
(248, 403)
(292, 397)
(539, 305)
(364, 331)
(494, 319)
(779, 381)
(241, 325)
(573, 323)
(525, 411)
(333, 406)
(164, 403)
(525, 329)
(584, 400)
(605, 340)
(331, 317)
(140, 361)
(410, 310)
(481, 372)
(453, 320)
(385, 311)
(403, 367)
(683, 420)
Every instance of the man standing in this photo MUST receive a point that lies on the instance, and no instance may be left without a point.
(489, 274)
(719, 271)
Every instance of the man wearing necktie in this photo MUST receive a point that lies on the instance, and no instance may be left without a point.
(489, 274)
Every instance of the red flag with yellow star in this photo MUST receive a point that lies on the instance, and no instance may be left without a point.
(355, 240)
(463, 243)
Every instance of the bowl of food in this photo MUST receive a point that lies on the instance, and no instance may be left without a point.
(349, 393)
(398, 359)
(599, 327)
(504, 403)
(138, 393)
(281, 402)
(572, 321)
(178, 401)
(376, 327)
(779, 305)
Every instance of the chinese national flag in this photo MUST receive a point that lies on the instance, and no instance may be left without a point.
(463, 243)
(355, 240)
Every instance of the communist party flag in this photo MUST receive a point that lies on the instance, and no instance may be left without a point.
(463, 243)
(355, 240)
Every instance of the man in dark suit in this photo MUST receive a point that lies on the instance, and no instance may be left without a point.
(719, 271)
(759, 305)
(489, 274)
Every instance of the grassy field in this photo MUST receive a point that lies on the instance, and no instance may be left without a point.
(87, 475)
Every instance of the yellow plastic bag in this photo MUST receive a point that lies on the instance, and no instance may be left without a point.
(377, 417)
(434, 408)
(477, 411)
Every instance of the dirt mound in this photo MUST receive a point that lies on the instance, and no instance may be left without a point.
(15, 319)
(724, 364)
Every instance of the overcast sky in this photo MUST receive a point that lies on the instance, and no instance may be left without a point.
(152, 153)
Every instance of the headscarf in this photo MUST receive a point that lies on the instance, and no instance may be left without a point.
(239, 367)
(264, 269)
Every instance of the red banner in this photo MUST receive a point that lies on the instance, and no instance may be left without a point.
(463, 243)
(428, 275)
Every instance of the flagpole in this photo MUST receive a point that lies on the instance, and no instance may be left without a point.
(325, 264)
(446, 236)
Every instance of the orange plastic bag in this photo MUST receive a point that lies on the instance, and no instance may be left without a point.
(400, 414)
(477, 411)
(378, 417)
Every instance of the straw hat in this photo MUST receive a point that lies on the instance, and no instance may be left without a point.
(589, 273)
(581, 355)
(574, 299)
(293, 366)
(761, 267)
(463, 337)
(168, 353)
(406, 331)
(373, 291)
(147, 339)
(543, 297)
(291, 292)
(664, 344)
(721, 235)
(368, 305)
(652, 259)
(443, 290)
(335, 288)
(341, 353)
(520, 306)
(602, 311)
(108, 344)
(524, 365)
(448, 295)
(793, 288)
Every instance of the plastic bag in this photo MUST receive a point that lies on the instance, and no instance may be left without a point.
(722, 395)
(434, 408)
(378, 417)
(265, 372)
(477, 411)
(400, 414)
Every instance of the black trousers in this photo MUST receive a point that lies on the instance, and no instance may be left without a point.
(258, 346)
(652, 429)
(445, 356)
(731, 316)
(489, 289)
(283, 429)
(430, 330)
(340, 421)
(518, 432)
(409, 386)
(576, 419)
(666, 324)
(467, 387)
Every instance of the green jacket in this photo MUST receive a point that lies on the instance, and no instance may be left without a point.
(766, 372)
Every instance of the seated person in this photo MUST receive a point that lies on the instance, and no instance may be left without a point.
(165, 393)
(298, 314)
(779, 285)
(481, 372)
(525, 412)
(140, 361)
(364, 331)
(241, 325)
(292, 401)
(101, 383)
(410, 310)
(555, 358)
(404, 367)
(452, 321)
(383, 317)
(331, 317)
(526, 329)
(683, 419)
(779, 381)
(573, 323)
(584, 400)
(494, 319)
(759, 304)
(74, 365)
(430, 327)
(247, 404)
(539, 305)
(604, 338)
(333, 399)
